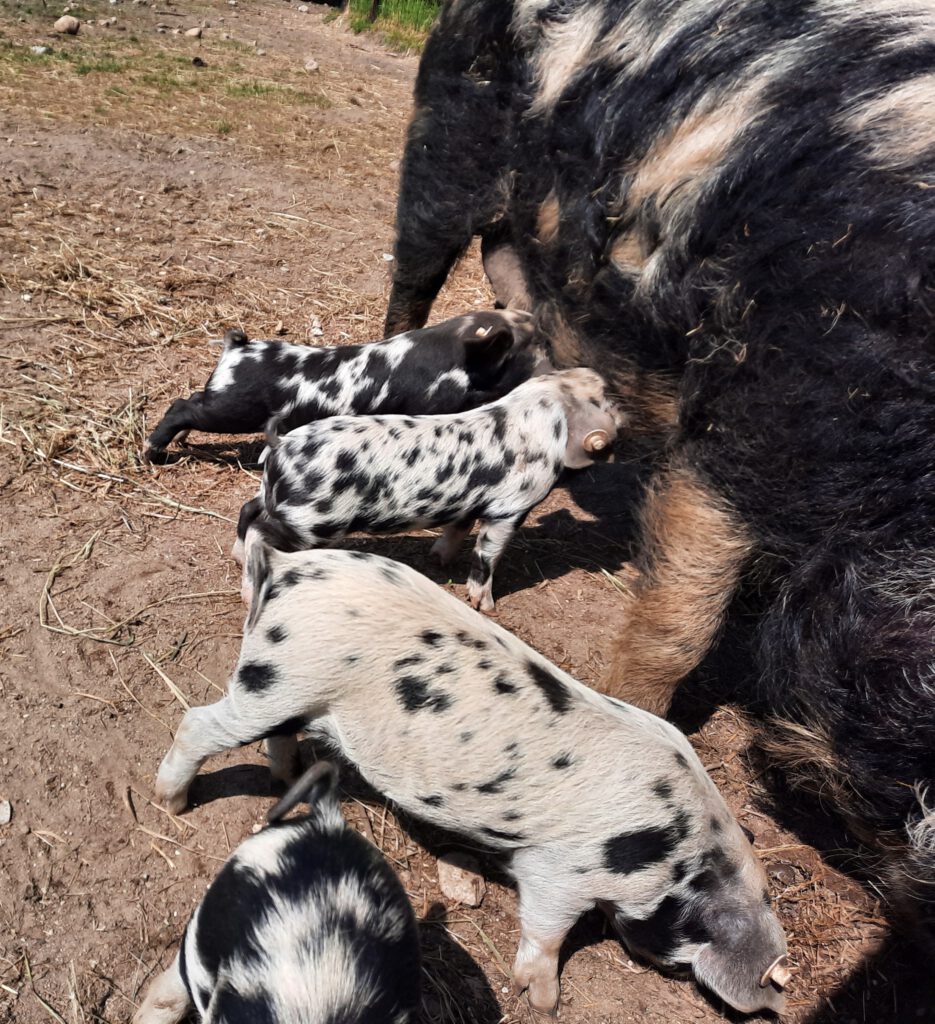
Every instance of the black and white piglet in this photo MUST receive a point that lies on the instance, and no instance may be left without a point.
(451, 366)
(459, 723)
(305, 922)
(381, 474)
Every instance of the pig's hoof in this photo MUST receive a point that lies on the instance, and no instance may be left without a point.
(174, 803)
(155, 456)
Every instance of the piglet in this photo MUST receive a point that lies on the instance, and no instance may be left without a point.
(381, 474)
(305, 922)
(459, 723)
(451, 366)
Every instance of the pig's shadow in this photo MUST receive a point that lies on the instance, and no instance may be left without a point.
(557, 544)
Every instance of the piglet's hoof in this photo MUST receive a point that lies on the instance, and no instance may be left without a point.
(174, 803)
(483, 604)
(543, 997)
(154, 456)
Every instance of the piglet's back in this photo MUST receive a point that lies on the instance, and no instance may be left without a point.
(401, 663)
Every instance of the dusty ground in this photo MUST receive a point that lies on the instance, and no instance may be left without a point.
(146, 205)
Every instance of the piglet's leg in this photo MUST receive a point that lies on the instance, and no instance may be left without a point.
(202, 733)
(183, 414)
(284, 760)
(546, 917)
(446, 547)
(166, 1000)
(493, 538)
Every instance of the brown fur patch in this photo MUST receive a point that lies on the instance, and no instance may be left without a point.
(685, 157)
(628, 254)
(694, 549)
(899, 126)
(548, 219)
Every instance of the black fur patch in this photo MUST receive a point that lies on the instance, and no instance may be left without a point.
(435, 800)
(496, 784)
(277, 634)
(408, 661)
(633, 851)
(257, 676)
(431, 637)
(503, 685)
(662, 789)
(415, 694)
(562, 761)
(555, 691)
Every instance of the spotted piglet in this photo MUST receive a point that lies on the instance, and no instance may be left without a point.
(381, 474)
(459, 723)
(305, 922)
(452, 366)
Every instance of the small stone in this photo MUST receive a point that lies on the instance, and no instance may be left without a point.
(311, 64)
(194, 33)
(162, 31)
(387, 257)
(303, 8)
(41, 51)
(198, 62)
(225, 35)
(315, 328)
(261, 53)
(6, 812)
(459, 878)
(67, 25)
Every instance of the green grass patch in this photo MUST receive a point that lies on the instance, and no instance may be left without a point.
(404, 24)
(223, 128)
(105, 65)
(254, 89)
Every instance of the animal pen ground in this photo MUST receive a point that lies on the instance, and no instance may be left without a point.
(147, 205)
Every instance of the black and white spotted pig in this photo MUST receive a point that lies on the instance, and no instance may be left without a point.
(459, 723)
(451, 366)
(389, 473)
(305, 922)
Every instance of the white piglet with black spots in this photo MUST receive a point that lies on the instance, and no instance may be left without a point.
(306, 923)
(383, 474)
(453, 365)
(459, 723)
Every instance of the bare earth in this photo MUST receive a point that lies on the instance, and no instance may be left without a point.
(146, 205)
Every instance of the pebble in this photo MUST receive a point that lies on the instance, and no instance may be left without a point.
(303, 8)
(194, 33)
(41, 50)
(311, 64)
(67, 25)
(6, 812)
(261, 53)
(459, 878)
(198, 62)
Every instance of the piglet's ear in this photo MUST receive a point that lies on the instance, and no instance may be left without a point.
(743, 976)
(591, 433)
(487, 344)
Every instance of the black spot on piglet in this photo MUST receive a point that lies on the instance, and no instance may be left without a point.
(257, 676)
(633, 851)
(556, 693)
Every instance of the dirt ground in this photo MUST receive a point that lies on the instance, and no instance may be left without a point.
(147, 204)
